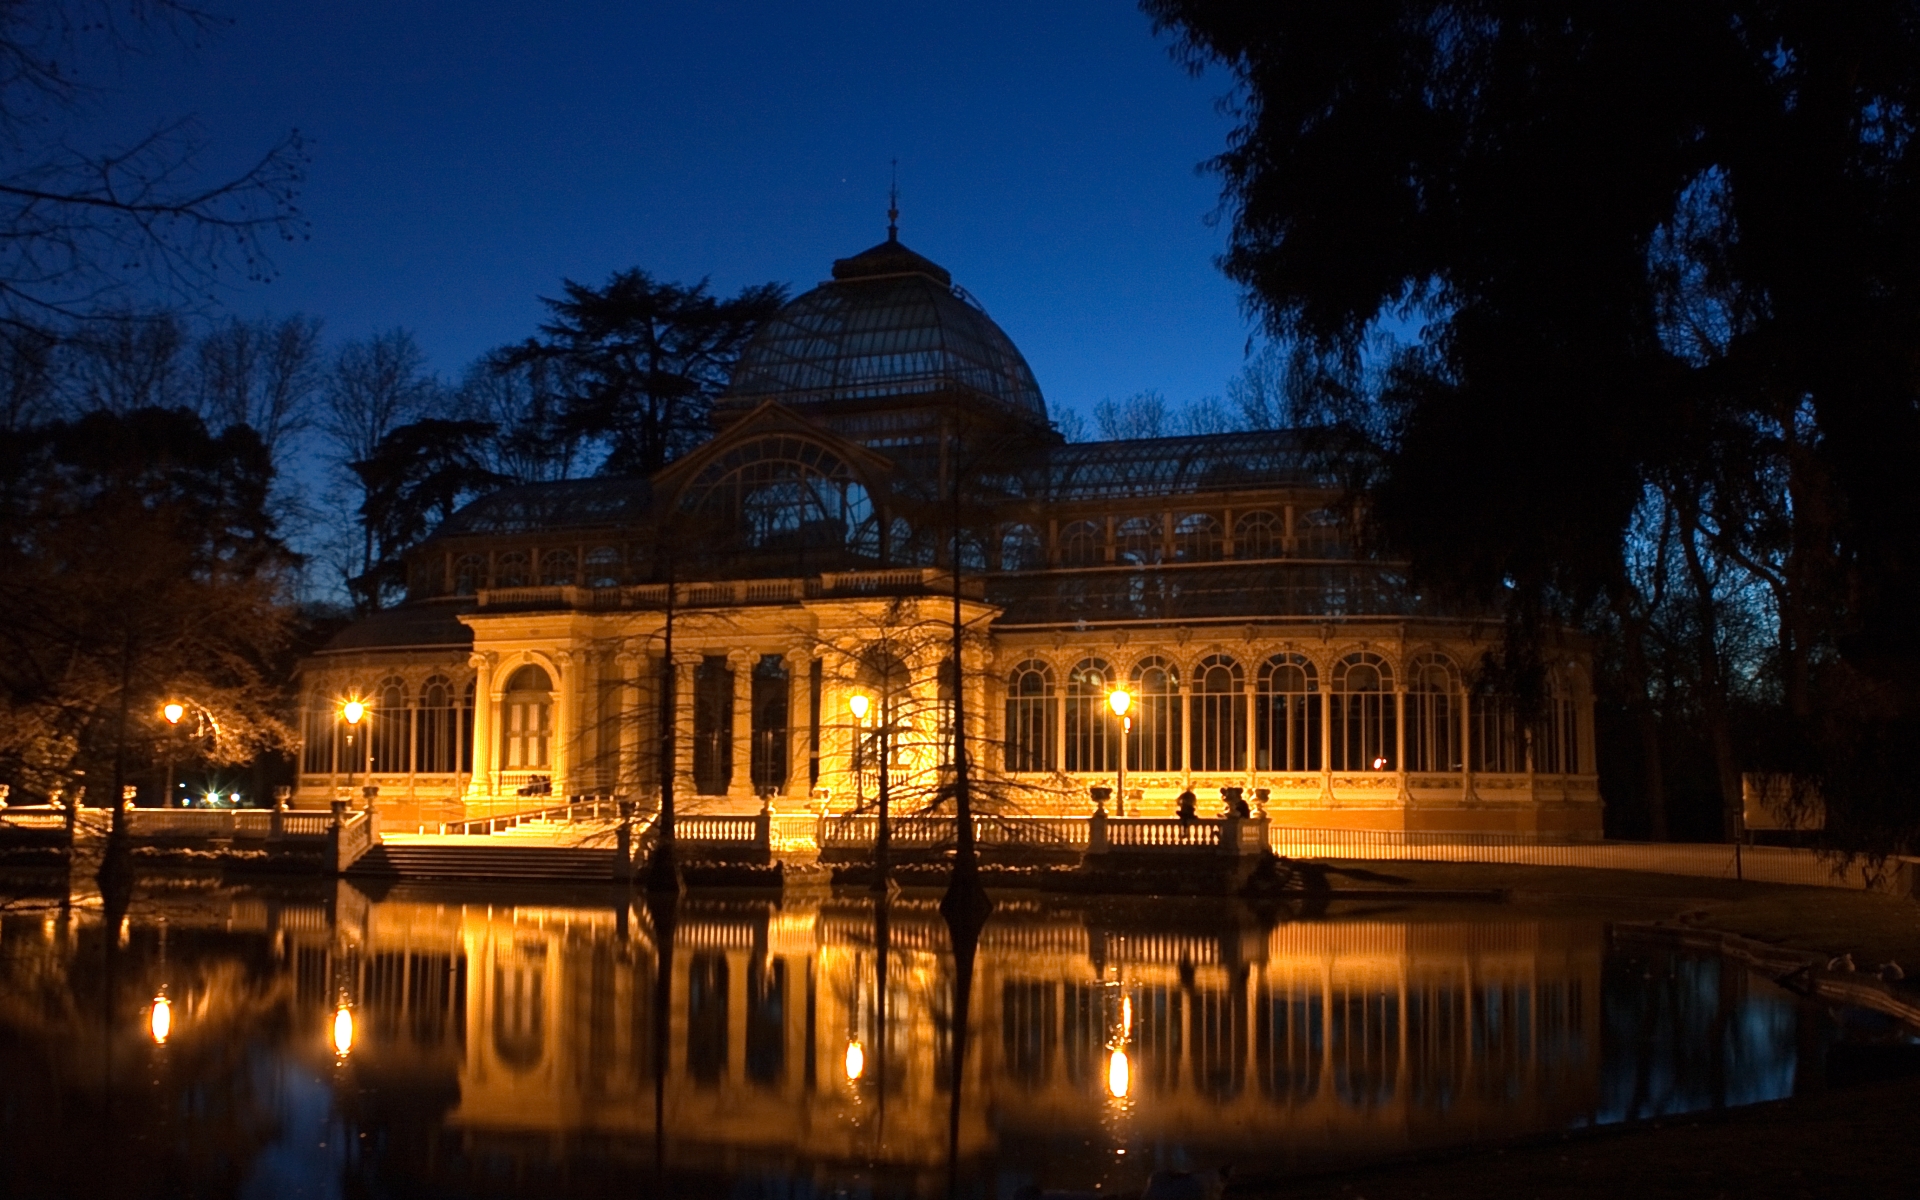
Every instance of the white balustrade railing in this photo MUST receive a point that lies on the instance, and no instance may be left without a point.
(35, 816)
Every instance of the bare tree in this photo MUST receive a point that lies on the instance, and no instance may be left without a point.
(82, 225)
(263, 374)
(374, 386)
(1141, 415)
(123, 360)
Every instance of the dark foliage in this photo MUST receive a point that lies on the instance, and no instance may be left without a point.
(1663, 260)
(416, 477)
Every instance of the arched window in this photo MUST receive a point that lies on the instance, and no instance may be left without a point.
(946, 686)
(1556, 742)
(388, 728)
(317, 749)
(1090, 723)
(1286, 720)
(469, 574)
(1021, 549)
(1082, 544)
(529, 720)
(1320, 533)
(1258, 534)
(1030, 717)
(510, 569)
(1138, 541)
(1433, 716)
(436, 728)
(1498, 747)
(786, 493)
(1198, 537)
(466, 727)
(1155, 744)
(603, 567)
(1363, 714)
(1219, 715)
(556, 568)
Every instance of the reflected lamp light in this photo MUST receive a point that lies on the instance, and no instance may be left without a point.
(160, 1020)
(342, 1031)
(856, 1062)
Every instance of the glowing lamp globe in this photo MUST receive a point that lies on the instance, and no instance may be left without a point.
(173, 713)
(859, 703)
(353, 710)
(1120, 701)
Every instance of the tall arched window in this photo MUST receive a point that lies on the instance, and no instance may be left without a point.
(786, 493)
(1286, 719)
(510, 569)
(1137, 541)
(603, 567)
(946, 688)
(1155, 744)
(1030, 717)
(1091, 743)
(1556, 742)
(469, 574)
(557, 568)
(1021, 549)
(1363, 714)
(1258, 534)
(1433, 716)
(1320, 533)
(388, 728)
(1082, 544)
(528, 706)
(1198, 537)
(1219, 715)
(1498, 747)
(466, 726)
(436, 728)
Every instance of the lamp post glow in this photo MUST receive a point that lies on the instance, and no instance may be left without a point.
(1119, 1074)
(160, 1020)
(860, 704)
(173, 711)
(351, 712)
(1120, 700)
(856, 1060)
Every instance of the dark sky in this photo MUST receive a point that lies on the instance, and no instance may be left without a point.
(468, 155)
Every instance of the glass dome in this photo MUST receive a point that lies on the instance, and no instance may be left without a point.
(889, 323)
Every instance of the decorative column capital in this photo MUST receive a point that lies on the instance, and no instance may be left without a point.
(741, 658)
(483, 660)
(687, 659)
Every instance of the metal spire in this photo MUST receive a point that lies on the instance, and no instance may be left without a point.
(893, 204)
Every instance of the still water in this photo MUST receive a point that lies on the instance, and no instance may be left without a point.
(464, 1043)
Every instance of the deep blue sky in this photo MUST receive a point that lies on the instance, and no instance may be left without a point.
(468, 155)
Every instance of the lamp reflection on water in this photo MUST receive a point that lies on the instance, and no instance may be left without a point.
(342, 1030)
(1119, 1074)
(856, 1060)
(160, 1020)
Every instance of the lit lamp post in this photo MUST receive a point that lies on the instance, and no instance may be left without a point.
(352, 712)
(173, 711)
(861, 704)
(1120, 701)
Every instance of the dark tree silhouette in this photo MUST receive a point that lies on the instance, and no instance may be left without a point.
(638, 362)
(1660, 254)
(417, 476)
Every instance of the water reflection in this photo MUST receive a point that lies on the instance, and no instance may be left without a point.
(450, 1044)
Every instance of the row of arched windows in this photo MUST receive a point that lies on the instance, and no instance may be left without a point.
(1191, 537)
(1286, 720)
(427, 732)
(597, 566)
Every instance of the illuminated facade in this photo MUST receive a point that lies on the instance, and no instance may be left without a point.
(879, 432)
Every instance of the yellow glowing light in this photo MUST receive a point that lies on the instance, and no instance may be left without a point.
(856, 1060)
(353, 710)
(342, 1031)
(160, 1021)
(1126, 1016)
(174, 712)
(859, 703)
(1119, 1075)
(1120, 701)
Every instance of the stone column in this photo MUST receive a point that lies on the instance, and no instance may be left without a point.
(799, 725)
(566, 724)
(626, 780)
(684, 662)
(486, 760)
(742, 663)
(1253, 722)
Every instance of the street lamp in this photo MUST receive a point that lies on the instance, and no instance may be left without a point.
(160, 1020)
(352, 711)
(1120, 701)
(860, 704)
(173, 711)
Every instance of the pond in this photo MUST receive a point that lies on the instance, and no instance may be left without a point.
(235, 1042)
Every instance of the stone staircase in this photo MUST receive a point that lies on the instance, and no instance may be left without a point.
(530, 853)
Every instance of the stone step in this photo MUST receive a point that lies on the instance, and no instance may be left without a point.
(488, 861)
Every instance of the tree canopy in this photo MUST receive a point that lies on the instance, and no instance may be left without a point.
(1659, 267)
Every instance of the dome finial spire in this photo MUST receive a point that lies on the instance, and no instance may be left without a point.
(893, 204)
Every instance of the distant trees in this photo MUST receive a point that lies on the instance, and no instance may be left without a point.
(1664, 266)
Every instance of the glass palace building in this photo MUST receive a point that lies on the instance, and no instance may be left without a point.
(881, 435)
